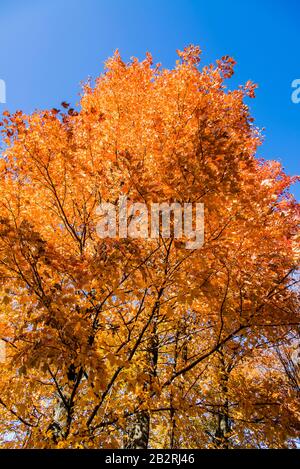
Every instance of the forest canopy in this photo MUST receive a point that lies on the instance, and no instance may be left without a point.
(141, 343)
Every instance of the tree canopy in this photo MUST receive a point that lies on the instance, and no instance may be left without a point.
(129, 342)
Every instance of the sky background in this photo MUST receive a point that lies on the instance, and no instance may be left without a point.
(48, 47)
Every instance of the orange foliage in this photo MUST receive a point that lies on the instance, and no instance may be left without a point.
(99, 331)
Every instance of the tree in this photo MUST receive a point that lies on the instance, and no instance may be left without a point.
(141, 342)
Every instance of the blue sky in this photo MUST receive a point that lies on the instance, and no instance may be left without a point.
(49, 46)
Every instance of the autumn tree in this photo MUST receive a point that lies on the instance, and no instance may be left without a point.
(133, 342)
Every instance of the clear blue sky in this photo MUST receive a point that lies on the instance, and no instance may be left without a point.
(49, 46)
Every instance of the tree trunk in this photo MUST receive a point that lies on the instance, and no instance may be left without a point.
(138, 431)
(57, 429)
(223, 424)
(138, 426)
(62, 412)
